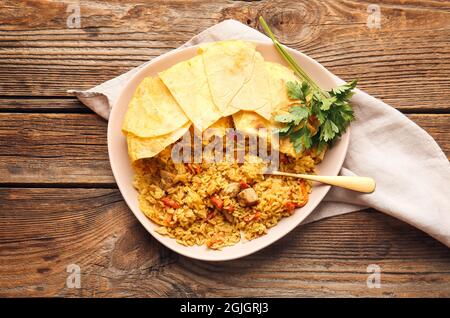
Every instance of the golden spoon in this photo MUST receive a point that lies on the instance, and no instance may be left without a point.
(360, 184)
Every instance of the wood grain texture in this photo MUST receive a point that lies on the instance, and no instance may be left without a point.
(45, 230)
(40, 55)
(42, 105)
(53, 148)
(72, 148)
(58, 201)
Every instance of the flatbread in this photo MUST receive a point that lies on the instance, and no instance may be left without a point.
(153, 111)
(139, 148)
(279, 75)
(254, 94)
(228, 65)
(236, 76)
(188, 84)
(219, 128)
(249, 122)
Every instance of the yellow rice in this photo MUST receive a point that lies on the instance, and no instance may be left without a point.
(196, 221)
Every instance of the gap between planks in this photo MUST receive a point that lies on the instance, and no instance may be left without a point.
(76, 107)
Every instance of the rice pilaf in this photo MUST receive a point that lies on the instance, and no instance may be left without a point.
(214, 203)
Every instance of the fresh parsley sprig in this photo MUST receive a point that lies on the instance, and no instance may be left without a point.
(314, 120)
(316, 117)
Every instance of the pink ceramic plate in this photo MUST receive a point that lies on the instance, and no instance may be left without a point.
(123, 172)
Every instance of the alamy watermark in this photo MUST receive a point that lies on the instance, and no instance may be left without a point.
(73, 280)
(374, 18)
(374, 279)
(261, 145)
(74, 19)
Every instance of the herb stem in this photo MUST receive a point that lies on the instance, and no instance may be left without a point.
(321, 116)
(288, 58)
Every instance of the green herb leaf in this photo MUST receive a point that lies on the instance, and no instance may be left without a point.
(284, 131)
(344, 91)
(322, 116)
(327, 102)
(284, 118)
(299, 113)
(328, 131)
(306, 138)
(294, 90)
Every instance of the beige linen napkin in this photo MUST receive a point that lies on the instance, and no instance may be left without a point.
(412, 172)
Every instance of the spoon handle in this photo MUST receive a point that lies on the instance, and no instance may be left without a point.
(360, 184)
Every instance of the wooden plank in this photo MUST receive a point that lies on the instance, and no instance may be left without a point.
(438, 126)
(42, 231)
(407, 56)
(72, 148)
(42, 105)
(54, 148)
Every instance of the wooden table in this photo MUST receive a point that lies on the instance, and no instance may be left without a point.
(59, 204)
